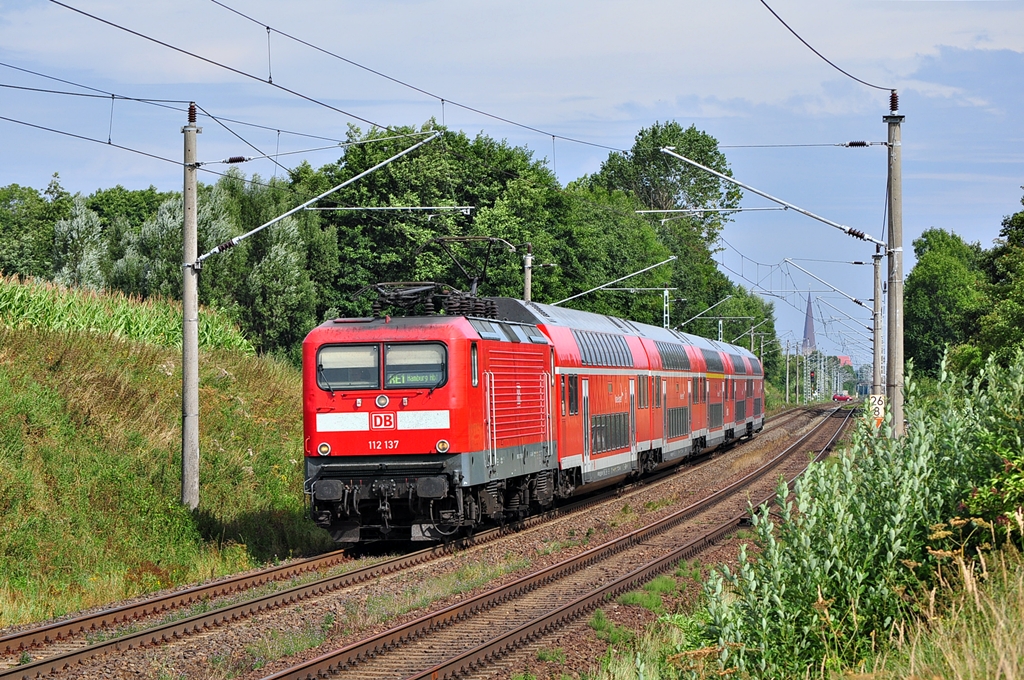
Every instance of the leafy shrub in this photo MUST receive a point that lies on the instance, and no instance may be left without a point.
(836, 574)
(998, 404)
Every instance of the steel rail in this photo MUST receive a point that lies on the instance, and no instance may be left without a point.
(62, 630)
(472, 659)
(59, 630)
(354, 653)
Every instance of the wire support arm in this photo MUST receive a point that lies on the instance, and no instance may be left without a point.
(821, 280)
(623, 278)
(850, 231)
(238, 239)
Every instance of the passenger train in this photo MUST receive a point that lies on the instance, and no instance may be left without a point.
(423, 427)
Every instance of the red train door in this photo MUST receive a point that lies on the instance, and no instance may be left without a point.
(664, 411)
(632, 416)
(585, 411)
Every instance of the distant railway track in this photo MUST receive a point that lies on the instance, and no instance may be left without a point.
(63, 645)
(467, 635)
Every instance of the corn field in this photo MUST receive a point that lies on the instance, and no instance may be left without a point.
(155, 321)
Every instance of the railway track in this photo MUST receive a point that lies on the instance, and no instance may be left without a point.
(467, 635)
(64, 645)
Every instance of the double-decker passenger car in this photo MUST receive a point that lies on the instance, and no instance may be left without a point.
(421, 427)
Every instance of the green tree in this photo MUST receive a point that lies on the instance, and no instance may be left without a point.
(944, 298)
(77, 248)
(510, 196)
(27, 220)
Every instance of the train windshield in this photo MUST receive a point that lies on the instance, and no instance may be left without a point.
(348, 367)
(414, 365)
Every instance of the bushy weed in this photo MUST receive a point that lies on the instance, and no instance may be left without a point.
(606, 630)
(839, 571)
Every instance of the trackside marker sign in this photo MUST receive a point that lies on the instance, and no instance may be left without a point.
(877, 404)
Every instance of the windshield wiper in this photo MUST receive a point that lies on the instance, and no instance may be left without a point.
(323, 376)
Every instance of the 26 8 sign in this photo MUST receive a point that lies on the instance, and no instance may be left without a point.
(877, 404)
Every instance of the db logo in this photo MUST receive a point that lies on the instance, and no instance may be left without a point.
(382, 421)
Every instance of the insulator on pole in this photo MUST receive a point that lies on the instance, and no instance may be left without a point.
(894, 101)
(191, 112)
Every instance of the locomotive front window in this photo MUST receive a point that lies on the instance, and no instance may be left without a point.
(414, 365)
(348, 367)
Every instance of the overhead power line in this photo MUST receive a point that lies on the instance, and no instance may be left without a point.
(104, 142)
(397, 81)
(218, 64)
(823, 57)
(163, 103)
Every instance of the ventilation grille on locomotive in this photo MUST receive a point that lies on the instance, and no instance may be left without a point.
(678, 422)
(713, 360)
(714, 415)
(673, 356)
(609, 432)
(603, 349)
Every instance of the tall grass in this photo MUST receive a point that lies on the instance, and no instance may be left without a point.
(977, 635)
(848, 564)
(38, 304)
(90, 431)
(836, 573)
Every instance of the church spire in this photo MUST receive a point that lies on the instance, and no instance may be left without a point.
(808, 345)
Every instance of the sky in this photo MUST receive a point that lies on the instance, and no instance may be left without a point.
(596, 72)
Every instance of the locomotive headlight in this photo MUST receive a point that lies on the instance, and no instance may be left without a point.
(324, 449)
(443, 446)
(382, 400)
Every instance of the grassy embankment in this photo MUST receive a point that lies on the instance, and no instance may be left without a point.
(90, 428)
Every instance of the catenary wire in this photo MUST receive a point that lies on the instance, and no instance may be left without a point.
(823, 57)
(403, 83)
(126, 148)
(240, 137)
(163, 103)
(86, 87)
(218, 64)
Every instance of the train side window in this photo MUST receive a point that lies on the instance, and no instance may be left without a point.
(562, 381)
(574, 395)
(657, 392)
(474, 364)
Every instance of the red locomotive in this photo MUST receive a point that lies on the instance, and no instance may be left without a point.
(420, 427)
